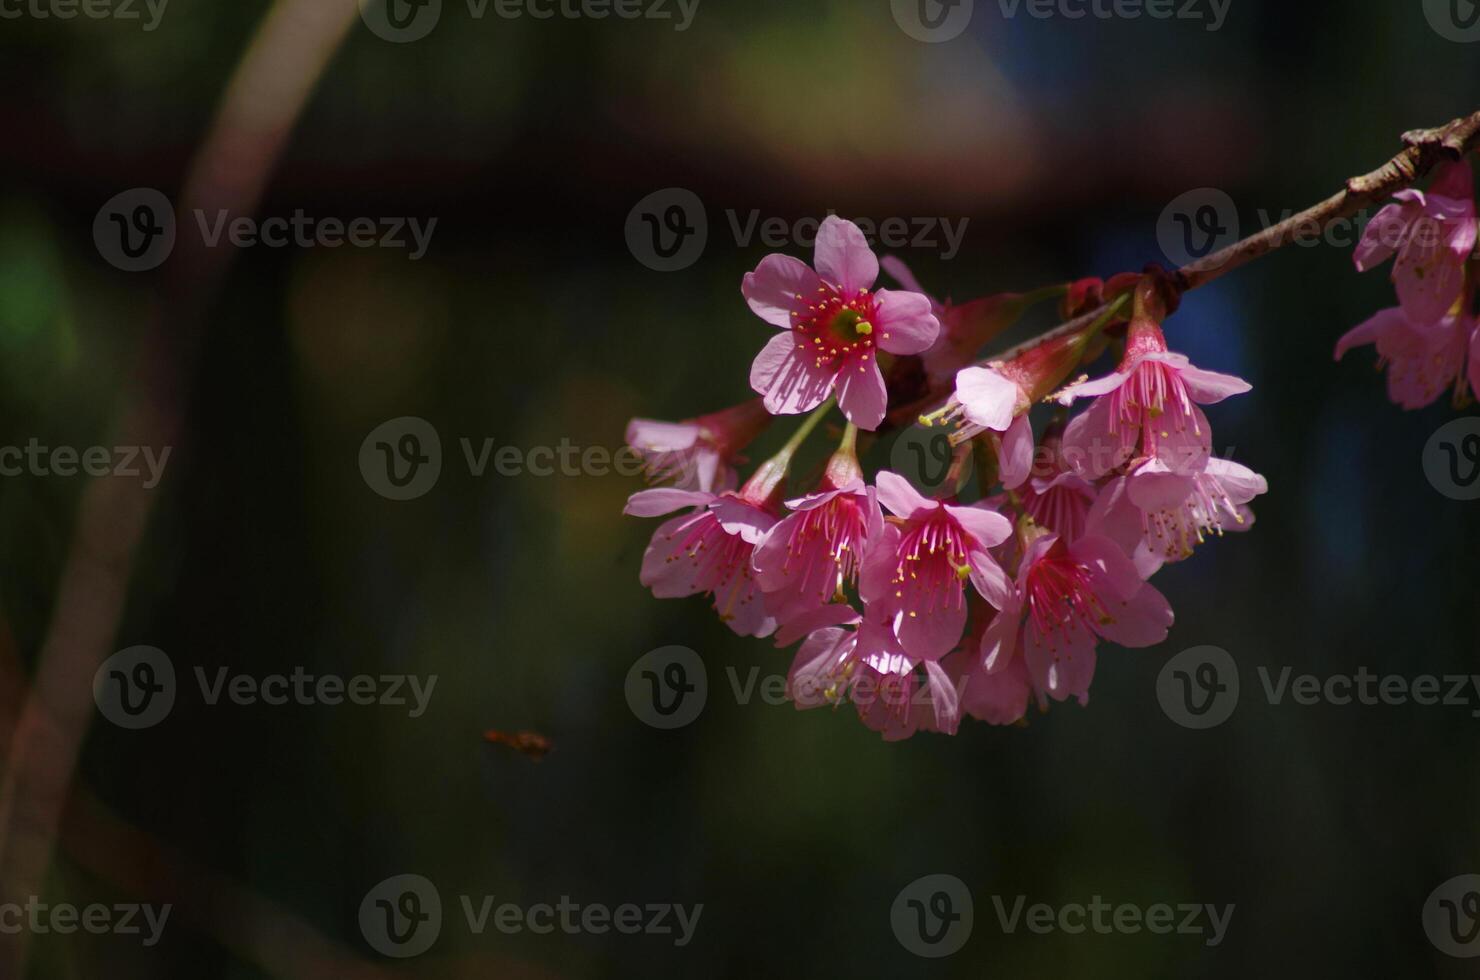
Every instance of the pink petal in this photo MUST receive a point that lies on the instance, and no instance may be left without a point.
(1000, 698)
(1140, 621)
(1154, 487)
(1382, 236)
(843, 256)
(832, 614)
(987, 526)
(788, 377)
(1475, 362)
(861, 393)
(1239, 482)
(1092, 389)
(1115, 575)
(901, 274)
(931, 634)
(1063, 664)
(670, 575)
(661, 437)
(1369, 330)
(876, 574)
(1429, 278)
(664, 500)
(1184, 450)
(999, 639)
(896, 494)
(1089, 448)
(1455, 180)
(738, 517)
(773, 289)
(945, 699)
(990, 580)
(1016, 458)
(989, 399)
(906, 323)
(1210, 387)
(812, 670)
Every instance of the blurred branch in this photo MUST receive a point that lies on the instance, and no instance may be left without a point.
(262, 102)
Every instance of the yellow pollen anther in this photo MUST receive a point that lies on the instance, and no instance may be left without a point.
(864, 327)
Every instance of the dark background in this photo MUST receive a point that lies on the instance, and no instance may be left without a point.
(530, 321)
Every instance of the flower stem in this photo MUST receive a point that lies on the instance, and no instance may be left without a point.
(805, 430)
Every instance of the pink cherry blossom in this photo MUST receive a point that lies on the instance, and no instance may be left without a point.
(697, 454)
(810, 557)
(1066, 598)
(1055, 496)
(1421, 361)
(987, 400)
(865, 666)
(1159, 516)
(1432, 235)
(916, 573)
(833, 324)
(707, 550)
(1147, 408)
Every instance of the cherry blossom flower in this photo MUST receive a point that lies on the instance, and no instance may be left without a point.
(1159, 516)
(917, 571)
(1147, 408)
(707, 550)
(700, 453)
(1066, 598)
(810, 557)
(865, 666)
(1432, 236)
(833, 325)
(1420, 361)
(1054, 495)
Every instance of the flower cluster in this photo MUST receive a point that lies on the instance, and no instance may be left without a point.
(919, 610)
(1430, 341)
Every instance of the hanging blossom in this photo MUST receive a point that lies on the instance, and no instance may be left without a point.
(812, 557)
(1421, 362)
(917, 572)
(1067, 597)
(995, 398)
(1433, 236)
(834, 325)
(1148, 408)
(699, 453)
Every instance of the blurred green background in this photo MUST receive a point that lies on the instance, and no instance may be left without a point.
(529, 320)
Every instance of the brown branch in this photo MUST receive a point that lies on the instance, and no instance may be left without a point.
(264, 99)
(1425, 149)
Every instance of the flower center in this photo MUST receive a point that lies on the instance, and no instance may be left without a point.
(837, 327)
(932, 565)
(1137, 406)
(827, 543)
(1060, 597)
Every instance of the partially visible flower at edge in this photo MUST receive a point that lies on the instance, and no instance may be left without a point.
(698, 453)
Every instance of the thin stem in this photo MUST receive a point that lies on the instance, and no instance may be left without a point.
(849, 444)
(805, 430)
